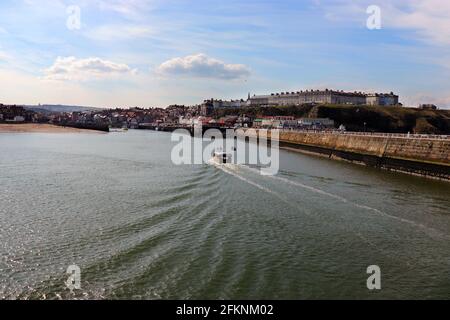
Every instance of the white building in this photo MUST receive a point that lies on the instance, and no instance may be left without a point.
(186, 121)
(19, 119)
(316, 122)
(382, 99)
(226, 103)
(323, 96)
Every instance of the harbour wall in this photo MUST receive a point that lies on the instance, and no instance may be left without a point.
(96, 127)
(429, 157)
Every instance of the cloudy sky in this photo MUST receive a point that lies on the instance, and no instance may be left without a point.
(160, 52)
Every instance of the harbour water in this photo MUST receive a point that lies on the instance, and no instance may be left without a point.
(140, 227)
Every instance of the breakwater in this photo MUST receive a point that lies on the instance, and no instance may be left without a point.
(427, 156)
(86, 126)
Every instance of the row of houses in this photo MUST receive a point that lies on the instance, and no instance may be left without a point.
(324, 96)
(303, 97)
(228, 121)
(130, 118)
(275, 122)
(286, 122)
(15, 114)
(14, 119)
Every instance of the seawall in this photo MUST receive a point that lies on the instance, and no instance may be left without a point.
(418, 155)
(96, 127)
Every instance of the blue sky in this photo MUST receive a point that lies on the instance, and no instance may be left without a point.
(156, 53)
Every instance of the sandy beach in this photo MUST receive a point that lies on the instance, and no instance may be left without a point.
(41, 128)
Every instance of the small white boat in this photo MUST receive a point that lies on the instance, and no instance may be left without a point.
(222, 157)
(118, 130)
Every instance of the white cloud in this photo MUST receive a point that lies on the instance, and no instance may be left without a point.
(120, 32)
(202, 66)
(142, 90)
(429, 20)
(127, 8)
(4, 56)
(71, 68)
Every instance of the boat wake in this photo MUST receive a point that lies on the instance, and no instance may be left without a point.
(233, 170)
(429, 231)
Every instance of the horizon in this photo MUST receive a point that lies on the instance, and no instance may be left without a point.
(204, 100)
(108, 54)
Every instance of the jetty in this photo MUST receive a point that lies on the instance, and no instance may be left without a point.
(421, 155)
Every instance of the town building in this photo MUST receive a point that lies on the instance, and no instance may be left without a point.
(19, 119)
(15, 113)
(283, 122)
(382, 99)
(315, 123)
(208, 106)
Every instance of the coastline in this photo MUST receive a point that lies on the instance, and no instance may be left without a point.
(41, 128)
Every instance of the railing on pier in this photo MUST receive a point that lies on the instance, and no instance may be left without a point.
(374, 134)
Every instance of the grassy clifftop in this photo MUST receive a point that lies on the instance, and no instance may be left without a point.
(388, 119)
(375, 118)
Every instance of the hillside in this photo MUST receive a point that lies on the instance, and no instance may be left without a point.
(375, 118)
(389, 119)
(48, 108)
